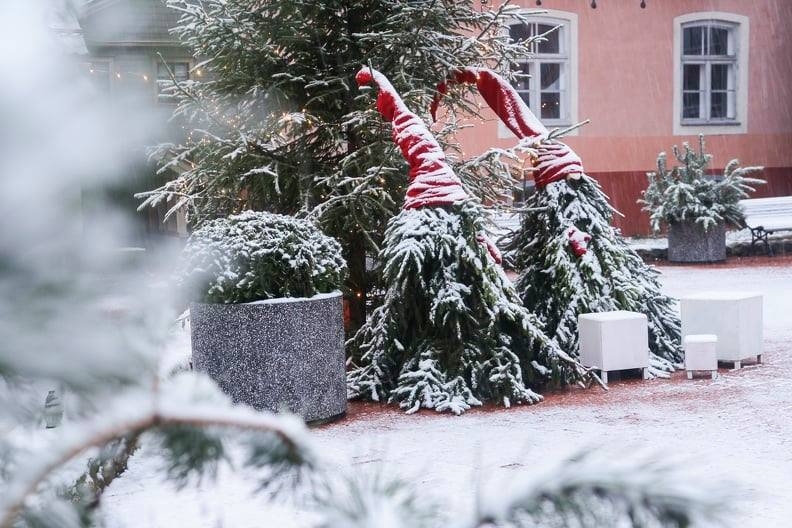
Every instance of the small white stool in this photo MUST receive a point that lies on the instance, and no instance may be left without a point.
(701, 354)
(616, 340)
(735, 317)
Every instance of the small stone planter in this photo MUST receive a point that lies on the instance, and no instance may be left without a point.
(279, 354)
(688, 242)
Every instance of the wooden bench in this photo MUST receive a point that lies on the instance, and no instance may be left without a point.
(765, 216)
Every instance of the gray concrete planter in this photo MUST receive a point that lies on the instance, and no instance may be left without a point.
(688, 242)
(276, 354)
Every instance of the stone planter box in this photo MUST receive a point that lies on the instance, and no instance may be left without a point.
(688, 242)
(280, 354)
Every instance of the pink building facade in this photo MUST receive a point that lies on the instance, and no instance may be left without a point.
(649, 78)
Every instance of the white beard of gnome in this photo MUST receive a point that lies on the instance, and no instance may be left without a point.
(451, 332)
(571, 260)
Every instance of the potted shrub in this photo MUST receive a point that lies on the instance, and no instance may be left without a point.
(266, 315)
(696, 206)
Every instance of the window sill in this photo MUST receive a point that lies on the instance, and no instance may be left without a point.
(689, 123)
(712, 128)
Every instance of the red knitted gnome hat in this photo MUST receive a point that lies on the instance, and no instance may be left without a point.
(555, 160)
(432, 181)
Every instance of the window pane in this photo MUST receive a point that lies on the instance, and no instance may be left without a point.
(180, 71)
(524, 81)
(518, 32)
(731, 104)
(551, 105)
(722, 105)
(718, 107)
(552, 44)
(550, 76)
(693, 40)
(691, 76)
(691, 105)
(719, 41)
(720, 76)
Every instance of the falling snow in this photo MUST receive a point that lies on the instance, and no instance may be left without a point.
(735, 429)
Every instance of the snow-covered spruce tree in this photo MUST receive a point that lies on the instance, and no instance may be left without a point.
(76, 316)
(686, 193)
(570, 258)
(564, 273)
(275, 122)
(451, 332)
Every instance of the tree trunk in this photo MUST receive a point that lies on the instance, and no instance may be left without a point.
(355, 242)
(356, 299)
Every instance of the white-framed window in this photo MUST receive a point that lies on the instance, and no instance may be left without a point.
(544, 85)
(548, 82)
(709, 68)
(710, 78)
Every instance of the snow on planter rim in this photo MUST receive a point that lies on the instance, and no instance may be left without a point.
(279, 300)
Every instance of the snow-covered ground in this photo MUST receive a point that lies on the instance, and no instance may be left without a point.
(735, 429)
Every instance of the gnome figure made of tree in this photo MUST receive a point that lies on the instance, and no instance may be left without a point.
(451, 332)
(570, 258)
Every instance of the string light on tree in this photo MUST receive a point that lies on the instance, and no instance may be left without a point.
(336, 142)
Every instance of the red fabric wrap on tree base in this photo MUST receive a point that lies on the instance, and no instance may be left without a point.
(432, 181)
(491, 247)
(555, 160)
(578, 241)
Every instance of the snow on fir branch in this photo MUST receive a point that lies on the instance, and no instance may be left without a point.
(689, 193)
(558, 282)
(187, 404)
(602, 488)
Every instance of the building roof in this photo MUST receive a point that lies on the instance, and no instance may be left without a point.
(127, 23)
(62, 21)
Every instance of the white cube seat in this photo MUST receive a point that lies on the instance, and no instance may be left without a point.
(701, 354)
(734, 317)
(616, 340)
